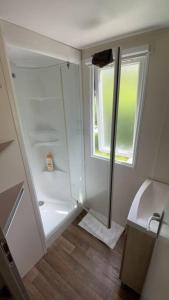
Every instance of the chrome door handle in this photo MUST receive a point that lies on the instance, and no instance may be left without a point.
(158, 218)
(6, 251)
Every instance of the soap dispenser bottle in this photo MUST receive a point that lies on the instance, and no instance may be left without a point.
(50, 162)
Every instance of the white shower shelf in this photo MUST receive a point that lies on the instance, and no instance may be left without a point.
(56, 170)
(45, 143)
(42, 133)
(41, 99)
(44, 137)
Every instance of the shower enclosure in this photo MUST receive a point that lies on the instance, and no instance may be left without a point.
(49, 104)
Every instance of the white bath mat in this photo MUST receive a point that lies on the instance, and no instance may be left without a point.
(108, 236)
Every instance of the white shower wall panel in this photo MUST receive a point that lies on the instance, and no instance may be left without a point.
(45, 82)
(41, 109)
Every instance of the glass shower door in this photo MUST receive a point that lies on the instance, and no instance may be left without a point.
(71, 86)
(101, 114)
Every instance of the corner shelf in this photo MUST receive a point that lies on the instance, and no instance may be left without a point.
(42, 99)
(4, 145)
(45, 143)
(44, 137)
(55, 170)
(43, 132)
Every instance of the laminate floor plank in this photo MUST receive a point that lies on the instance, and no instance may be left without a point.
(92, 281)
(78, 267)
(57, 282)
(73, 274)
(34, 294)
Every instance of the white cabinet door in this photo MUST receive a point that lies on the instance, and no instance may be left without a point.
(23, 236)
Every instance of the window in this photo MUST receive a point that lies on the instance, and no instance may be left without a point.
(130, 96)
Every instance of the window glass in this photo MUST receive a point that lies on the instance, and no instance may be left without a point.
(129, 104)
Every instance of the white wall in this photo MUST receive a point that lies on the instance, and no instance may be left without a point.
(161, 168)
(127, 179)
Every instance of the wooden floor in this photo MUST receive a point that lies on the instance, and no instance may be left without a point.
(76, 267)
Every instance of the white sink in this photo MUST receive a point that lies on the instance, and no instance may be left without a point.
(152, 197)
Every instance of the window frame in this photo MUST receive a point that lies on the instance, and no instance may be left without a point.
(144, 58)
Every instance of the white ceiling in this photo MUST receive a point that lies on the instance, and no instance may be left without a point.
(80, 23)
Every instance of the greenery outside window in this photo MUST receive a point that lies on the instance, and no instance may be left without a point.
(130, 98)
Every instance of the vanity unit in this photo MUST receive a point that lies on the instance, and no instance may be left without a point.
(143, 225)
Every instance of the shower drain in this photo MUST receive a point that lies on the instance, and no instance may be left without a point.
(41, 203)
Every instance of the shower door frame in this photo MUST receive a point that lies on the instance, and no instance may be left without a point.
(117, 69)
